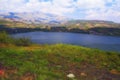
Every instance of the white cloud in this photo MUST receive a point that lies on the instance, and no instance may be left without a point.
(110, 15)
(56, 6)
(111, 12)
(88, 4)
(92, 9)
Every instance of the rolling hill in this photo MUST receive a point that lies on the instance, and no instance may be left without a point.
(56, 23)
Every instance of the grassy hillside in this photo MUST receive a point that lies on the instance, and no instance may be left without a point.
(55, 62)
(80, 24)
(88, 24)
(75, 26)
(15, 24)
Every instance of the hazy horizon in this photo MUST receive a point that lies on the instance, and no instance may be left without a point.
(108, 10)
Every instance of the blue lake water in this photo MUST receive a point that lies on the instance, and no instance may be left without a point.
(108, 43)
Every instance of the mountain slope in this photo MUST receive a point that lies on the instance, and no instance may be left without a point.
(50, 22)
(87, 24)
(33, 17)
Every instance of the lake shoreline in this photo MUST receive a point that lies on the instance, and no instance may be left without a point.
(94, 31)
(21, 59)
(108, 43)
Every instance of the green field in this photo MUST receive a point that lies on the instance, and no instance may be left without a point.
(27, 61)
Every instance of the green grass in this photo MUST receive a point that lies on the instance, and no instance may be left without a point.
(53, 62)
(6, 39)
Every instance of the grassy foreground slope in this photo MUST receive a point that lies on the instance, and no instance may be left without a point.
(56, 62)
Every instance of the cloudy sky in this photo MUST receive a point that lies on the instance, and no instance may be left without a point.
(77, 9)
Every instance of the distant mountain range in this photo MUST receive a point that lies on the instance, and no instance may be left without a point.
(34, 17)
(25, 22)
(38, 19)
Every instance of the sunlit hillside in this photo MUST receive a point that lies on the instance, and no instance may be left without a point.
(22, 60)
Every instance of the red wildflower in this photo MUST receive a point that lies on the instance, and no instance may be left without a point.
(1, 72)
